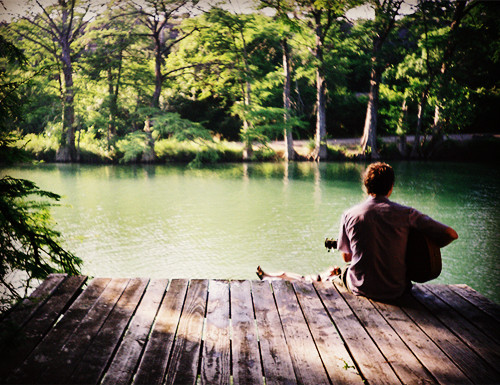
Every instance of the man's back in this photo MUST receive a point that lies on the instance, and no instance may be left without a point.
(375, 233)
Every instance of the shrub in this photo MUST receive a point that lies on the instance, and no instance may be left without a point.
(265, 154)
(132, 146)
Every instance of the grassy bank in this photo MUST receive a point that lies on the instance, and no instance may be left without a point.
(92, 150)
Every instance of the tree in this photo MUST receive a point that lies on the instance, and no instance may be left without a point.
(425, 69)
(29, 246)
(229, 55)
(461, 9)
(282, 8)
(159, 17)
(385, 17)
(55, 30)
(107, 40)
(320, 16)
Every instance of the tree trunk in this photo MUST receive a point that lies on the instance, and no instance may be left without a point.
(248, 149)
(113, 90)
(289, 150)
(149, 155)
(67, 150)
(402, 130)
(369, 139)
(320, 148)
(112, 108)
(158, 75)
(415, 152)
(247, 98)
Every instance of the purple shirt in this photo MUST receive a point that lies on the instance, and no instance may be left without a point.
(376, 232)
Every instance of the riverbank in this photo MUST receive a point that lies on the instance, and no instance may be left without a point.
(455, 147)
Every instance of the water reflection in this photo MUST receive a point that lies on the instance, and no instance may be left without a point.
(222, 221)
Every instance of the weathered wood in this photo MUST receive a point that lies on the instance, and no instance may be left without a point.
(486, 305)
(276, 361)
(371, 363)
(23, 311)
(34, 366)
(91, 367)
(247, 368)
(419, 332)
(467, 310)
(126, 359)
(215, 362)
(404, 363)
(154, 362)
(183, 366)
(335, 357)
(122, 331)
(477, 338)
(39, 325)
(306, 361)
(64, 361)
(464, 357)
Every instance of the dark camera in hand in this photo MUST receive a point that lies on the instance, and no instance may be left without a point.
(330, 243)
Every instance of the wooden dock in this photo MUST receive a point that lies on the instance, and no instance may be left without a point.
(151, 331)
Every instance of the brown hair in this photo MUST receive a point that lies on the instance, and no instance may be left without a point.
(378, 178)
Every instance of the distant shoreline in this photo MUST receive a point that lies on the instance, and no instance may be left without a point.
(453, 147)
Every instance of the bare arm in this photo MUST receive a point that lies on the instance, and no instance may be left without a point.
(452, 235)
(347, 257)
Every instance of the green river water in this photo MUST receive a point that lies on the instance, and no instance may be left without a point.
(223, 221)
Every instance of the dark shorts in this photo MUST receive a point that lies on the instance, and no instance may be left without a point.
(343, 275)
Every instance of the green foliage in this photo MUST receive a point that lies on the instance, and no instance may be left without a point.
(170, 124)
(265, 154)
(221, 69)
(171, 150)
(42, 147)
(132, 146)
(28, 242)
(265, 123)
(29, 246)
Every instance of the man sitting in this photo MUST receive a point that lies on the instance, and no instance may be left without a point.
(373, 239)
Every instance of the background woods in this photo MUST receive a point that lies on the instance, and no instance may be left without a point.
(159, 80)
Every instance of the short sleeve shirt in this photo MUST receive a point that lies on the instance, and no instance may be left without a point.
(376, 232)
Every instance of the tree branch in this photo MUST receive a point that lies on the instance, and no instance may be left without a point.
(49, 19)
(174, 42)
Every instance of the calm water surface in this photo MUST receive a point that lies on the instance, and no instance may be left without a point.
(223, 221)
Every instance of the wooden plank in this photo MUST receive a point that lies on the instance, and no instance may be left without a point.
(33, 367)
(423, 345)
(402, 360)
(484, 323)
(23, 311)
(40, 324)
(371, 362)
(91, 367)
(477, 369)
(154, 362)
(127, 357)
(276, 361)
(247, 368)
(336, 359)
(306, 361)
(64, 361)
(183, 366)
(470, 324)
(486, 305)
(215, 361)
